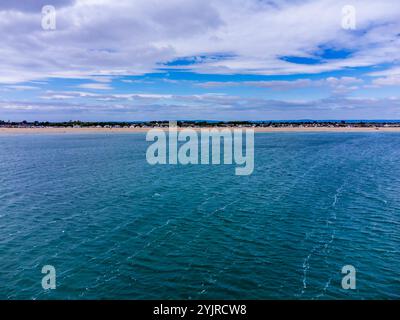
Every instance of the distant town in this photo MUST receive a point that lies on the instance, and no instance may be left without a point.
(202, 124)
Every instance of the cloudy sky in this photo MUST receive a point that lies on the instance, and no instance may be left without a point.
(200, 59)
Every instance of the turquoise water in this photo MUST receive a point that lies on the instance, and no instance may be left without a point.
(115, 227)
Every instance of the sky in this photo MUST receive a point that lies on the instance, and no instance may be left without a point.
(137, 60)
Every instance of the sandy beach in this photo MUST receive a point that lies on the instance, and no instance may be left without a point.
(50, 130)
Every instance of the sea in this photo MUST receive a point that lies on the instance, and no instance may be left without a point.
(115, 227)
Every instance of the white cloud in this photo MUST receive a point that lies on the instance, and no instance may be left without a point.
(337, 85)
(21, 87)
(110, 38)
(95, 86)
(387, 81)
(388, 77)
(395, 71)
(211, 106)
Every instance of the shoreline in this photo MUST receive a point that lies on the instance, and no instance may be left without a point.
(50, 130)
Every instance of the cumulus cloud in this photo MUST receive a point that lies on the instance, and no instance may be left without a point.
(337, 85)
(104, 37)
(212, 107)
(95, 86)
(387, 81)
(98, 41)
(388, 77)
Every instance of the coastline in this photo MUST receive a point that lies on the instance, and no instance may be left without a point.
(59, 130)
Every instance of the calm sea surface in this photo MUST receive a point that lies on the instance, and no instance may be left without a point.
(115, 227)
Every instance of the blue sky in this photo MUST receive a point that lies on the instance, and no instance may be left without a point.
(192, 59)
